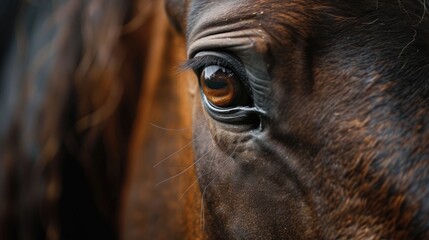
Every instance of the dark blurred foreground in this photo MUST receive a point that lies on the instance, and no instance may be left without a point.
(82, 83)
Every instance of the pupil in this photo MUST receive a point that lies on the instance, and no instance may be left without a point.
(215, 77)
(215, 84)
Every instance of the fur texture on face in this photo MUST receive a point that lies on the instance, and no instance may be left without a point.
(342, 144)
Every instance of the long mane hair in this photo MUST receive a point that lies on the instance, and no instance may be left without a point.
(77, 78)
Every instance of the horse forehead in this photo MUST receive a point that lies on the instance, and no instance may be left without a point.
(236, 15)
(237, 9)
(206, 10)
(242, 14)
(198, 10)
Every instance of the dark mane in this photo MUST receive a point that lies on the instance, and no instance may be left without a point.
(65, 81)
(80, 83)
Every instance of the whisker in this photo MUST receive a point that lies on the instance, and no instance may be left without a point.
(187, 189)
(203, 174)
(175, 129)
(169, 129)
(408, 44)
(202, 201)
(204, 191)
(424, 11)
(186, 169)
(180, 149)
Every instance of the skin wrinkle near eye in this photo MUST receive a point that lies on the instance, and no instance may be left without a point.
(243, 36)
(217, 17)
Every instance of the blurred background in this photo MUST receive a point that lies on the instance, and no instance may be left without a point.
(95, 117)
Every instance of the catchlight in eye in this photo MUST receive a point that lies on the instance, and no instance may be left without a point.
(222, 87)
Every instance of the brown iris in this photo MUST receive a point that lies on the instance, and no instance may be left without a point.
(221, 86)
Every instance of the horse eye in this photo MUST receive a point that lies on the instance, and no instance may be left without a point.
(222, 87)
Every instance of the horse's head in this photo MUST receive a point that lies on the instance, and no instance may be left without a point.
(313, 117)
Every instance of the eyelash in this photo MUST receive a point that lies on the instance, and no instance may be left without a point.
(197, 63)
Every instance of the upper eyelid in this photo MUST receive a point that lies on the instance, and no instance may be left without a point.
(199, 62)
(215, 58)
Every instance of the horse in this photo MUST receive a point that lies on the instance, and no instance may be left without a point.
(311, 118)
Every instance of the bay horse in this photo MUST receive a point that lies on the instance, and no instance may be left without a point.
(312, 117)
